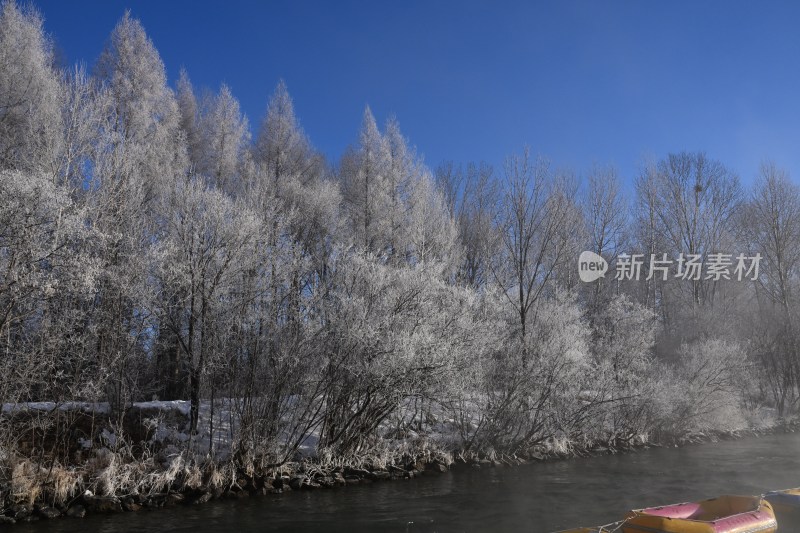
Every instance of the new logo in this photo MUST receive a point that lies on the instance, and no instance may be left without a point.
(591, 267)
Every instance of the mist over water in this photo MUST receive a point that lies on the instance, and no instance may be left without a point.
(538, 497)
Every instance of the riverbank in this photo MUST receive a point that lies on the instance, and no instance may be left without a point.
(193, 483)
(304, 476)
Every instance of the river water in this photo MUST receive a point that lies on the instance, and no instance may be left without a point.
(535, 498)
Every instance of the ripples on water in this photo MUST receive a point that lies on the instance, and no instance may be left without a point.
(536, 498)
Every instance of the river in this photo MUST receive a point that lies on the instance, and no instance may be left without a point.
(536, 498)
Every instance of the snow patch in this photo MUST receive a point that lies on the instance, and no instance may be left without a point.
(183, 406)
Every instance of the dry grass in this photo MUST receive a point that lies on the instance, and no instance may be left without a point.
(381, 453)
(66, 483)
(26, 482)
(220, 475)
(560, 445)
(29, 482)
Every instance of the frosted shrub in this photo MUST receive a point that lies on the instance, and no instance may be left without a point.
(707, 394)
(396, 334)
(624, 378)
(527, 391)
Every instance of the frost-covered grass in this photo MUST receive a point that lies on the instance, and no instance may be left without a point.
(111, 464)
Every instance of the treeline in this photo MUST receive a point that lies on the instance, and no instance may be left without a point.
(151, 249)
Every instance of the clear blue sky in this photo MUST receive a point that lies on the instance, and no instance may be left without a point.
(578, 81)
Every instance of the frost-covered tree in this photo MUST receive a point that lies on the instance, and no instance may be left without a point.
(512, 406)
(47, 281)
(770, 226)
(472, 196)
(282, 147)
(402, 170)
(144, 148)
(625, 374)
(198, 261)
(695, 200)
(188, 108)
(647, 234)
(292, 173)
(711, 376)
(397, 334)
(300, 205)
(29, 92)
(421, 227)
(224, 138)
(85, 111)
(606, 216)
(140, 155)
(365, 187)
(536, 232)
(430, 231)
(395, 207)
(570, 234)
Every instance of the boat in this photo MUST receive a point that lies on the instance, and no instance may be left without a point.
(786, 503)
(725, 514)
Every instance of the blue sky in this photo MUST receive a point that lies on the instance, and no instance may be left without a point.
(581, 82)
